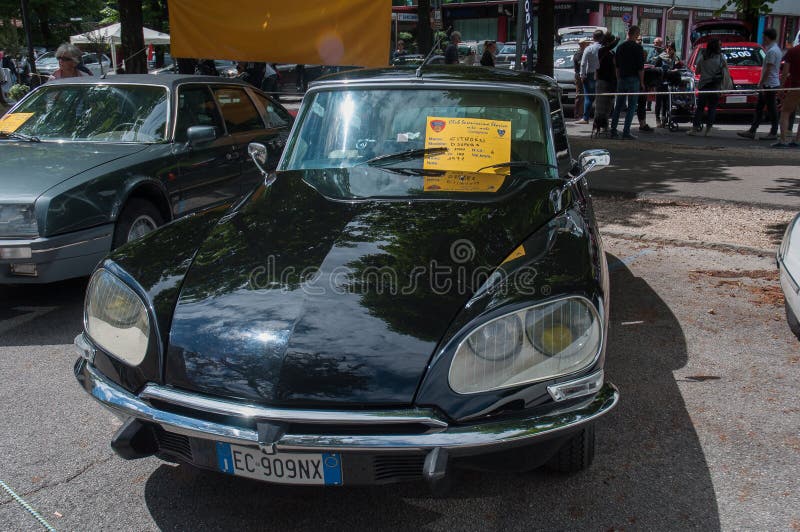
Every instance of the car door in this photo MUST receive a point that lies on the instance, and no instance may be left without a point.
(209, 172)
(246, 124)
(279, 122)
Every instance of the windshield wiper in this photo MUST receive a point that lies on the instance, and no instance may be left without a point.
(403, 156)
(511, 164)
(20, 136)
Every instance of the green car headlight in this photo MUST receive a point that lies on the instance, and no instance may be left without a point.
(559, 338)
(116, 318)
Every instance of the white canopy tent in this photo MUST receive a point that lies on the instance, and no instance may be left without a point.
(112, 35)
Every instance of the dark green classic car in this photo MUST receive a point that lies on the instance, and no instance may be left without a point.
(88, 164)
(419, 287)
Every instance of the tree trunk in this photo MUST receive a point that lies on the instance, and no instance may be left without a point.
(547, 32)
(43, 14)
(424, 31)
(130, 17)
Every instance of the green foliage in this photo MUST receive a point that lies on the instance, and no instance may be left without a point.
(746, 7)
(9, 38)
(16, 92)
(110, 15)
(406, 36)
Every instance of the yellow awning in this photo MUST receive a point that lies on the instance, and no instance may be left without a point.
(314, 32)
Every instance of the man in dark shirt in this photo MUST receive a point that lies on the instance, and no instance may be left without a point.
(451, 52)
(630, 79)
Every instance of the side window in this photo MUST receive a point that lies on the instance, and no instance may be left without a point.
(238, 111)
(276, 117)
(196, 107)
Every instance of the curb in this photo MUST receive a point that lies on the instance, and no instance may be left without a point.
(699, 244)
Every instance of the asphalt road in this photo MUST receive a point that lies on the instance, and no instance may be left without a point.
(705, 437)
(721, 167)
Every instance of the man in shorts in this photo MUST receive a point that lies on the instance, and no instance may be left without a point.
(791, 81)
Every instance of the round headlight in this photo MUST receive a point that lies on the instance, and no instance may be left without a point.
(497, 340)
(116, 318)
(560, 337)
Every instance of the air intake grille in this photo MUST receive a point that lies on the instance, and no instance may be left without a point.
(399, 467)
(173, 444)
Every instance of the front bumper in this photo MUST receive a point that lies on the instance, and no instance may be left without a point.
(51, 259)
(214, 419)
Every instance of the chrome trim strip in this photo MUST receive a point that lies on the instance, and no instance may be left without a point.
(328, 417)
(72, 244)
(458, 440)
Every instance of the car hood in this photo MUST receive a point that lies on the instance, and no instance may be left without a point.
(564, 75)
(29, 169)
(301, 298)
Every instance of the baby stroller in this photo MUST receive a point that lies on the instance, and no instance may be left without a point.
(681, 99)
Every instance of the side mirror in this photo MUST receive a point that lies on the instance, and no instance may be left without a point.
(201, 134)
(591, 160)
(258, 152)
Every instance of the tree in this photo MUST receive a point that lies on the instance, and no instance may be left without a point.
(546, 40)
(130, 17)
(424, 31)
(750, 11)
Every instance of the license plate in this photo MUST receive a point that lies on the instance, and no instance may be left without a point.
(282, 468)
(736, 99)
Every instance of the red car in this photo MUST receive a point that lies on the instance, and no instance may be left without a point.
(744, 59)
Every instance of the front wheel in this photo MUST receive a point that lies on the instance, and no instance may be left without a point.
(138, 218)
(576, 454)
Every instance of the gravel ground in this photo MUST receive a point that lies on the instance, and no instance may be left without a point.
(700, 223)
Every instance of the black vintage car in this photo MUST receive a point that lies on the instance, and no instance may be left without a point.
(420, 286)
(88, 164)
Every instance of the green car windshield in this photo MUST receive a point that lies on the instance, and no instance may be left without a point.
(98, 113)
(428, 130)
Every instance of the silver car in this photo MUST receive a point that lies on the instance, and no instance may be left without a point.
(564, 71)
(789, 266)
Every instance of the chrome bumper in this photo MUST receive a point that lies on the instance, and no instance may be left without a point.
(461, 440)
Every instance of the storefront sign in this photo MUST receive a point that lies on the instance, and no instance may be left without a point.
(651, 12)
(405, 17)
(679, 14)
(436, 19)
(617, 10)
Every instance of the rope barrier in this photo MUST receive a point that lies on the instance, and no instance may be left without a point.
(28, 508)
(656, 93)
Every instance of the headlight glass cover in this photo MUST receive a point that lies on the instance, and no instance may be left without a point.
(533, 344)
(18, 220)
(116, 318)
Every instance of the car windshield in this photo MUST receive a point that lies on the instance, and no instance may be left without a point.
(99, 113)
(509, 49)
(438, 130)
(562, 57)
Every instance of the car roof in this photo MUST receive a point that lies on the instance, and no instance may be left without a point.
(164, 80)
(447, 73)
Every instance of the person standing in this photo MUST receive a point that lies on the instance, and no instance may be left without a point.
(667, 61)
(451, 52)
(489, 50)
(630, 79)
(641, 103)
(769, 80)
(69, 56)
(400, 53)
(658, 49)
(576, 65)
(589, 64)
(606, 82)
(791, 101)
(711, 66)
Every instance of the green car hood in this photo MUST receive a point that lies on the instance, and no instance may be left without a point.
(28, 169)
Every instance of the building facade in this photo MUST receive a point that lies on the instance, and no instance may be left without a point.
(496, 19)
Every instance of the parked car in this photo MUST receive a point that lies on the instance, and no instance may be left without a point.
(300, 337)
(47, 63)
(91, 164)
(789, 266)
(564, 71)
(577, 33)
(744, 60)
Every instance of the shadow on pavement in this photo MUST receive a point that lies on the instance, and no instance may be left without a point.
(649, 471)
(49, 314)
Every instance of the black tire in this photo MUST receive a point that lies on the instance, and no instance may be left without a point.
(794, 324)
(139, 216)
(576, 454)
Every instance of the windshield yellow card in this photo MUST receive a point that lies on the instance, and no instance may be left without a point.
(13, 121)
(472, 143)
